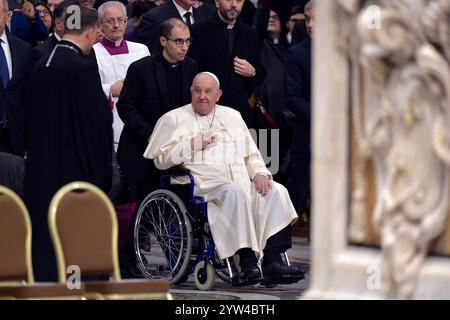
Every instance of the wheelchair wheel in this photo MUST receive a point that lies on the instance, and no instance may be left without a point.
(204, 276)
(163, 237)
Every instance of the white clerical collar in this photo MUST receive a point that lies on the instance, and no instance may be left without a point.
(182, 11)
(56, 36)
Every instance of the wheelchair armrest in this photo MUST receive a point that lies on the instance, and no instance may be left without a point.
(177, 171)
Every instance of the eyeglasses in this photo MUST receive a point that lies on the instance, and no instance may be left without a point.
(180, 42)
(120, 20)
(43, 12)
(274, 17)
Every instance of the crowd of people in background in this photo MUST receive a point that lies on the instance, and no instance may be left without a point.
(130, 63)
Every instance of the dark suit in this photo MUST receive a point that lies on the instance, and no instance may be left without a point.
(13, 96)
(210, 50)
(297, 81)
(44, 48)
(148, 30)
(143, 100)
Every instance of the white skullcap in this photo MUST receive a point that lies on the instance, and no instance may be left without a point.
(212, 76)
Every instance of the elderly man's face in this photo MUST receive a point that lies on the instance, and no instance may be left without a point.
(113, 23)
(205, 94)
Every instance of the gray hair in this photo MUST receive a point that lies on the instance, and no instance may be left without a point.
(107, 4)
(5, 5)
(310, 5)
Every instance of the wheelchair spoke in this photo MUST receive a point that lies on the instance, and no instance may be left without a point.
(163, 239)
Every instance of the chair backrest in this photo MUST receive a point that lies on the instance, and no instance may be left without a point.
(15, 239)
(83, 227)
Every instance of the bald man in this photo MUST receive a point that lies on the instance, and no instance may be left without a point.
(248, 213)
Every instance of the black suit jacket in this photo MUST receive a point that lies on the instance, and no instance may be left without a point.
(148, 30)
(210, 50)
(44, 48)
(142, 102)
(297, 81)
(13, 96)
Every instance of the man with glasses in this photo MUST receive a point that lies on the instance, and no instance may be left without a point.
(115, 54)
(153, 86)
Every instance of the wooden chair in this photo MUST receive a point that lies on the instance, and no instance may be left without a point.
(83, 227)
(16, 271)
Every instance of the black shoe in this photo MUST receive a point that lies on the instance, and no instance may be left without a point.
(248, 263)
(278, 269)
(251, 273)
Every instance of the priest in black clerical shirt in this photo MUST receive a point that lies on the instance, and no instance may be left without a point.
(69, 134)
(153, 86)
(227, 47)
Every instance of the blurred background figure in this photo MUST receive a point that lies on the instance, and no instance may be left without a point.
(25, 22)
(87, 3)
(298, 101)
(46, 15)
(135, 12)
(52, 4)
(273, 52)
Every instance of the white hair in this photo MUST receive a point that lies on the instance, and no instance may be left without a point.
(107, 4)
(310, 5)
(212, 75)
(5, 5)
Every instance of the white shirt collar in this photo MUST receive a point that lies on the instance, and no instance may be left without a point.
(6, 48)
(182, 11)
(3, 37)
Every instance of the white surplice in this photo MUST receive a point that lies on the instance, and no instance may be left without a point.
(238, 216)
(114, 67)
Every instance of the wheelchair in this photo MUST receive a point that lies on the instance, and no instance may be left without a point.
(172, 239)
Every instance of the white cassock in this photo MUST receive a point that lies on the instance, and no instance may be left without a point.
(113, 67)
(238, 216)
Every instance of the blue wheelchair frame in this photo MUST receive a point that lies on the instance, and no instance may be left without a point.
(209, 253)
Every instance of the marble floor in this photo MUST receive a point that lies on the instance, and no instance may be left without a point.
(299, 255)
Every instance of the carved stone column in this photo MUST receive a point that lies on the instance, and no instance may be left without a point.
(381, 155)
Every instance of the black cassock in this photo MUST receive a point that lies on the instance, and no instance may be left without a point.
(69, 138)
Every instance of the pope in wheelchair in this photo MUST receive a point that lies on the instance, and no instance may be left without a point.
(248, 215)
